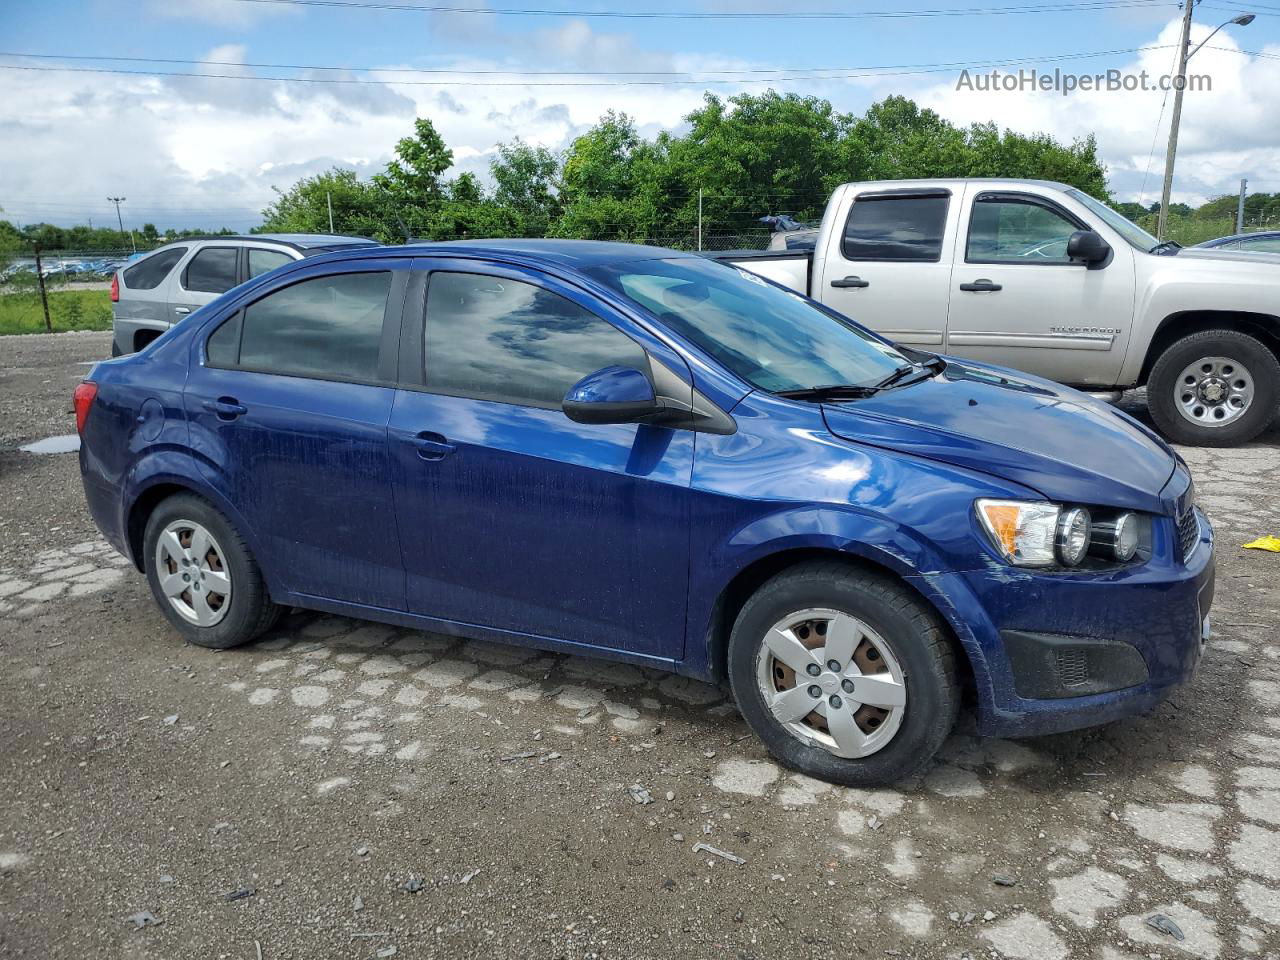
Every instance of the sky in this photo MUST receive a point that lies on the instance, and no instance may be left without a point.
(208, 151)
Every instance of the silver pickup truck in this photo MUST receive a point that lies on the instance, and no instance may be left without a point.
(1044, 278)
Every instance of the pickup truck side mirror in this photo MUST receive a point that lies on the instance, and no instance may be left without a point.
(1087, 247)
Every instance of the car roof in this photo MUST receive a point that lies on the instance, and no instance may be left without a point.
(570, 253)
(1240, 236)
(299, 241)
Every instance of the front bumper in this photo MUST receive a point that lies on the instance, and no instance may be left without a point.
(1130, 637)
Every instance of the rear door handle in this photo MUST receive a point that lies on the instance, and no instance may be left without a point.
(182, 310)
(981, 286)
(226, 408)
(432, 446)
(851, 282)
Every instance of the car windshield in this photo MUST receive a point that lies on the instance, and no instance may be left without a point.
(772, 338)
(1132, 233)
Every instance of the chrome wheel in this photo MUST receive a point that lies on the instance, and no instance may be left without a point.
(1213, 391)
(192, 573)
(831, 681)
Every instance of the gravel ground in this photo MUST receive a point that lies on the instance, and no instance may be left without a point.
(378, 792)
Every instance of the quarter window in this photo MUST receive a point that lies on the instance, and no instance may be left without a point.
(329, 328)
(490, 338)
(1016, 231)
(895, 228)
(211, 270)
(149, 273)
(264, 261)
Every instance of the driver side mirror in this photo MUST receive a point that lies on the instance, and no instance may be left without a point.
(1087, 247)
(612, 395)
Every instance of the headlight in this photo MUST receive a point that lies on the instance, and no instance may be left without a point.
(1023, 531)
(1072, 539)
(1118, 538)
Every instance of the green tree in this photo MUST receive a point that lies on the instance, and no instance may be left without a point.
(526, 185)
(411, 184)
(359, 207)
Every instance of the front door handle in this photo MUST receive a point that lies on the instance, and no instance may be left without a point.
(851, 282)
(981, 286)
(432, 446)
(226, 408)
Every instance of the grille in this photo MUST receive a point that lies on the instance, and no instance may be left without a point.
(1073, 666)
(1188, 532)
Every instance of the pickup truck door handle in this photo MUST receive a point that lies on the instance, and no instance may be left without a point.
(981, 286)
(226, 408)
(432, 446)
(851, 282)
(182, 310)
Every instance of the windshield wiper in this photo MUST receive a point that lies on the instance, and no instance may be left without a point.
(901, 373)
(829, 391)
(1167, 248)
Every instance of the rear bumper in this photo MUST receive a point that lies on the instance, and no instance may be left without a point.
(105, 504)
(124, 331)
(1053, 653)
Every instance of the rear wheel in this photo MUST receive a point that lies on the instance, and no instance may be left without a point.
(203, 576)
(844, 674)
(1216, 388)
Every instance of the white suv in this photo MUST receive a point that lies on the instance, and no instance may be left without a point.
(153, 293)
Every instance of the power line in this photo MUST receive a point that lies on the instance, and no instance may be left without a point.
(1020, 9)
(859, 74)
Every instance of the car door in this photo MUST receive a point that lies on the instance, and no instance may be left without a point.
(892, 269)
(210, 271)
(1019, 301)
(288, 401)
(512, 516)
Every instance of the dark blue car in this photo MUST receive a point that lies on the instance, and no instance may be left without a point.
(645, 455)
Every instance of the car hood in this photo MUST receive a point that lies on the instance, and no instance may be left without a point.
(1225, 255)
(1062, 443)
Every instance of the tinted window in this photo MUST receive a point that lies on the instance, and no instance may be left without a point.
(895, 228)
(328, 327)
(1259, 245)
(223, 348)
(211, 270)
(772, 338)
(497, 339)
(1016, 232)
(264, 261)
(149, 273)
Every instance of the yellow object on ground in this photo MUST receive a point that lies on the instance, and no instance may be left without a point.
(1264, 543)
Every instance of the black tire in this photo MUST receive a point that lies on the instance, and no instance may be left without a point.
(251, 611)
(1249, 352)
(916, 636)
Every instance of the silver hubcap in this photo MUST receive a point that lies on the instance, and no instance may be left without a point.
(1213, 391)
(832, 682)
(193, 573)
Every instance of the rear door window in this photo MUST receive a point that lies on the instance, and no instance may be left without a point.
(328, 328)
(211, 270)
(149, 273)
(492, 338)
(896, 228)
(264, 261)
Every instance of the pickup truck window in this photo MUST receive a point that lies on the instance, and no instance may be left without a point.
(1133, 234)
(1011, 230)
(895, 228)
(773, 339)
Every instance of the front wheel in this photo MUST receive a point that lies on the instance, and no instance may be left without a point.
(1216, 388)
(203, 576)
(844, 674)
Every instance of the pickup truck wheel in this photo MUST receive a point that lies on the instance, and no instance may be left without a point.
(1216, 388)
(844, 674)
(203, 576)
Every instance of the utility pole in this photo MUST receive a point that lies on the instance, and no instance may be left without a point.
(699, 219)
(120, 221)
(44, 299)
(1240, 209)
(1179, 83)
(328, 198)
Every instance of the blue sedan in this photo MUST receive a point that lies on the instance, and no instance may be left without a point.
(640, 454)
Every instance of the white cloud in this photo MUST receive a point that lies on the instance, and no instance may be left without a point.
(224, 13)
